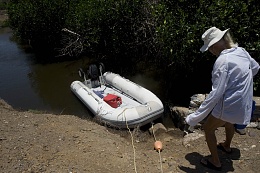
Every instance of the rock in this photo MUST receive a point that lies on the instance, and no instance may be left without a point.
(252, 125)
(178, 115)
(191, 137)
(157, 129)
(196, 100)
(251, 134)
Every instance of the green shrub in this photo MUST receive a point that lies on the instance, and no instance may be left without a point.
(166, 33)
(3, 4)
(180, 26)
(109, 27)
(38, 23)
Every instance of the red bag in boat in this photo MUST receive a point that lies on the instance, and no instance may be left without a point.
(113, 100)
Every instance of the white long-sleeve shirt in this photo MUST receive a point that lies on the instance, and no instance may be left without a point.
(232, 89)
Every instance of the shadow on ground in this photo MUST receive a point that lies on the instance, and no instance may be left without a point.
(226, 159)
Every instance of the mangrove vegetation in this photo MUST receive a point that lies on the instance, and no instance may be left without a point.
(164, 33)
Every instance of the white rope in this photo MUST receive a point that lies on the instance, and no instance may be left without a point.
(159, 150)
(132, 139)
(153, 133)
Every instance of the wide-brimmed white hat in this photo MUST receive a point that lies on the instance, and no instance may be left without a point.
(211, 36)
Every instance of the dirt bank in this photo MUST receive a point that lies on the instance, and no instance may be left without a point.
(33, 142)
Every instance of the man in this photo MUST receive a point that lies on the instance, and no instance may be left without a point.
(230, 100)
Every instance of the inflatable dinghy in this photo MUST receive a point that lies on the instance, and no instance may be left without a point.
(116, 100)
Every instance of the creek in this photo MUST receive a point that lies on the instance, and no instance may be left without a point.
(27, 85)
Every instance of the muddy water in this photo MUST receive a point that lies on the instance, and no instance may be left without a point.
(26, 85)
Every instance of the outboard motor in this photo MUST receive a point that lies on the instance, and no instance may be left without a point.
(93, 72)
(94, 77)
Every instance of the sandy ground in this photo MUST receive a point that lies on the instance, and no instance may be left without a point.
(34, 142)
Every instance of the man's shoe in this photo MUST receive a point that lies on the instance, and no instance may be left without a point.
(258, 125)
(241, 131)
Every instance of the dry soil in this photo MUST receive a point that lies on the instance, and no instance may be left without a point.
(37, 142)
